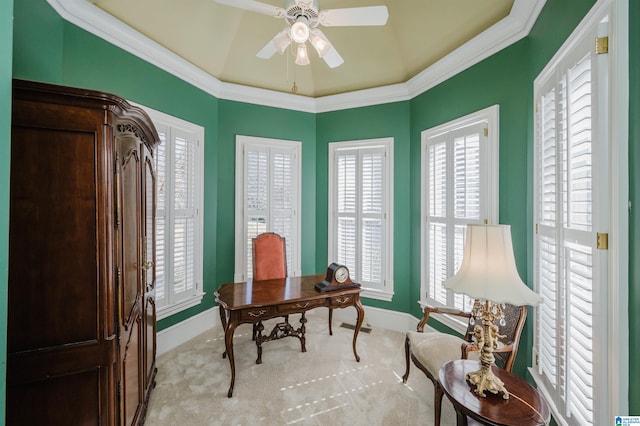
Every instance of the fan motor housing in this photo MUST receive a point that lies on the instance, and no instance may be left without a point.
(297, 9)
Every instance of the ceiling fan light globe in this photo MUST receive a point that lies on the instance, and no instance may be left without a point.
(302, 57)
(321, 45)
(300, 32)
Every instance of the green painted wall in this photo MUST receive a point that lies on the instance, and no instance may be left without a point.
(388, 120)
(634, 216)
(37, 41)
(6, 41)
(244, 119)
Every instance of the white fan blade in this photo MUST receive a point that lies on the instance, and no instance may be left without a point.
(255, 6)
(333, 58)
(354, 16)
(267, 51)
(277, 44)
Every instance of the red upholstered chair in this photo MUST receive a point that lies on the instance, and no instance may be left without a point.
(269, 257)
(269, 262)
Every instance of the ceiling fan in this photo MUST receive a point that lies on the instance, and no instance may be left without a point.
(303, 17)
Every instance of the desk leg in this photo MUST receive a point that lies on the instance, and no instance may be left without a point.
(358, 305)
(228, 344)
(330, 321)
(461, 419)
(223, 321)
(303, 329)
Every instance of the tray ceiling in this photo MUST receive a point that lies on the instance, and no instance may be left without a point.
(223, 41)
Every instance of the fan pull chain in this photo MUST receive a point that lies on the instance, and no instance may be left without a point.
(294, 87)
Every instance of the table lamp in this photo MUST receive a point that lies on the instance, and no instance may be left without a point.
(488, 274)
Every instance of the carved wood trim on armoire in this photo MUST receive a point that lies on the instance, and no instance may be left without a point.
(81, 338)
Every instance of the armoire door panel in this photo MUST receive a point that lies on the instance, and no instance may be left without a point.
(130, 234)
(31, 366)
(72, 399)
(150, 341)
(132, 389)
(149, 268)
(53, 194)
(149, 211)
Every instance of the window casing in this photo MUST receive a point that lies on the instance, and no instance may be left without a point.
(267, 198)
(459, 186)
(180, 188)
(571, 206)
(360, 213)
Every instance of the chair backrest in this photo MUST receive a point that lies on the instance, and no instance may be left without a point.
(514, 317)
(269, 256)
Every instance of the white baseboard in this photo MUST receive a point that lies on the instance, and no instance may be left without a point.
(180, 333)
(378, 317)
(186, 330)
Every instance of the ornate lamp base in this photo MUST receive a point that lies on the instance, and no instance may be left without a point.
(485, 380)
(487, 340)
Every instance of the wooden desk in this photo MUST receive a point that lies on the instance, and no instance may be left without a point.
(250, 302)
(525, 406)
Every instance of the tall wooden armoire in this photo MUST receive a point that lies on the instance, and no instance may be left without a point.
(81, 316)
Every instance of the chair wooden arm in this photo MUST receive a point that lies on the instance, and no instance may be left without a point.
(468, 347)
(428, 310)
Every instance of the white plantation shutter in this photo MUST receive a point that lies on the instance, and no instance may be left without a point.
(184, 214)
(565, 254)
(455, 181)
(347, 240)
(267, 198)
(257, 198)
(161, 215)
(360, 181)
(547, 254)
(178, 166)
(372, 172)
(283, 196)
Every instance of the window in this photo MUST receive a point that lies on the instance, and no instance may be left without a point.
(459, 186)
(179, 191)
(571, 156)
(360, 207)
(267, 198)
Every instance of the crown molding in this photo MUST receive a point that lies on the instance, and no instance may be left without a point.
(504, 33)
(271, 98)
(514, 27)
(94, 20)
(362, 98)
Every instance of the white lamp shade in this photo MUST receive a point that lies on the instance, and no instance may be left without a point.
(488, 269)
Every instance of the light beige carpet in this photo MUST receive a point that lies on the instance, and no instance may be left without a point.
(323, 386)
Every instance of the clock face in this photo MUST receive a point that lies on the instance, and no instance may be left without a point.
(341, 274)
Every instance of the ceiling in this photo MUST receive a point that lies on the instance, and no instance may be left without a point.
(222, 41)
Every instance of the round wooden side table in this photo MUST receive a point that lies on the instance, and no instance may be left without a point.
(525, 406)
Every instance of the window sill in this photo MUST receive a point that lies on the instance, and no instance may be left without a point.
(167, 311)
(372, 293)
(450, 321)
(540, 386)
